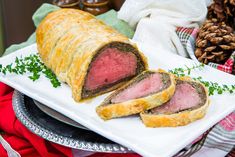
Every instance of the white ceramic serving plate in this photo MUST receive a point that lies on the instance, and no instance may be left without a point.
(129, 131)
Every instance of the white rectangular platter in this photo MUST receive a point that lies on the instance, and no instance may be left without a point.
(129, 131)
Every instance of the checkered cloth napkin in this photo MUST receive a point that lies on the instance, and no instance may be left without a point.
(221, 138)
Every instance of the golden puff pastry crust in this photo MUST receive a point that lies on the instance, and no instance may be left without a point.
(177, 119)
(68, 40)
(108, 111)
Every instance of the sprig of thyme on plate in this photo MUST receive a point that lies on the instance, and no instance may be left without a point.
(33, 65)
(213, 87)
(185, 71)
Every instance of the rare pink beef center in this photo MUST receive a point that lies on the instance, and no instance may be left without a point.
(147, 86)
(110, 66)
(185, 97)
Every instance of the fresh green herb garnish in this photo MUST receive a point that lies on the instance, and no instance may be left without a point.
(185, 71)
(215, 87)
(33, 65)
(212, 86)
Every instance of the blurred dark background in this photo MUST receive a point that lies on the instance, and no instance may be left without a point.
(16, 17)
(16, 23)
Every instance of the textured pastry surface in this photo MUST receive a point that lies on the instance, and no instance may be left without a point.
(108, 110)
(178, 118)
(68, 40)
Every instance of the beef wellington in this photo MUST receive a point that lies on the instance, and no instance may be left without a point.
(189, 103)
(88, 55)
(146, 91)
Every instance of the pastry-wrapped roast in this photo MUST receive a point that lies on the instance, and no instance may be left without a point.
(188, 104)
(88, 55)
(147, 90)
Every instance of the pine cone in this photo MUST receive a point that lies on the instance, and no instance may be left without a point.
(223, 10)
(215, 42)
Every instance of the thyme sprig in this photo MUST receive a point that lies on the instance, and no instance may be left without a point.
(186, 71)
(213, 87)
(33, 65)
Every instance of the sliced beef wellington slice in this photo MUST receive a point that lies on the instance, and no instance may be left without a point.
(146, 91)
(189, 103)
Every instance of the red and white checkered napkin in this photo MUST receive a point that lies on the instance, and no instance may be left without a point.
(221, 138)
